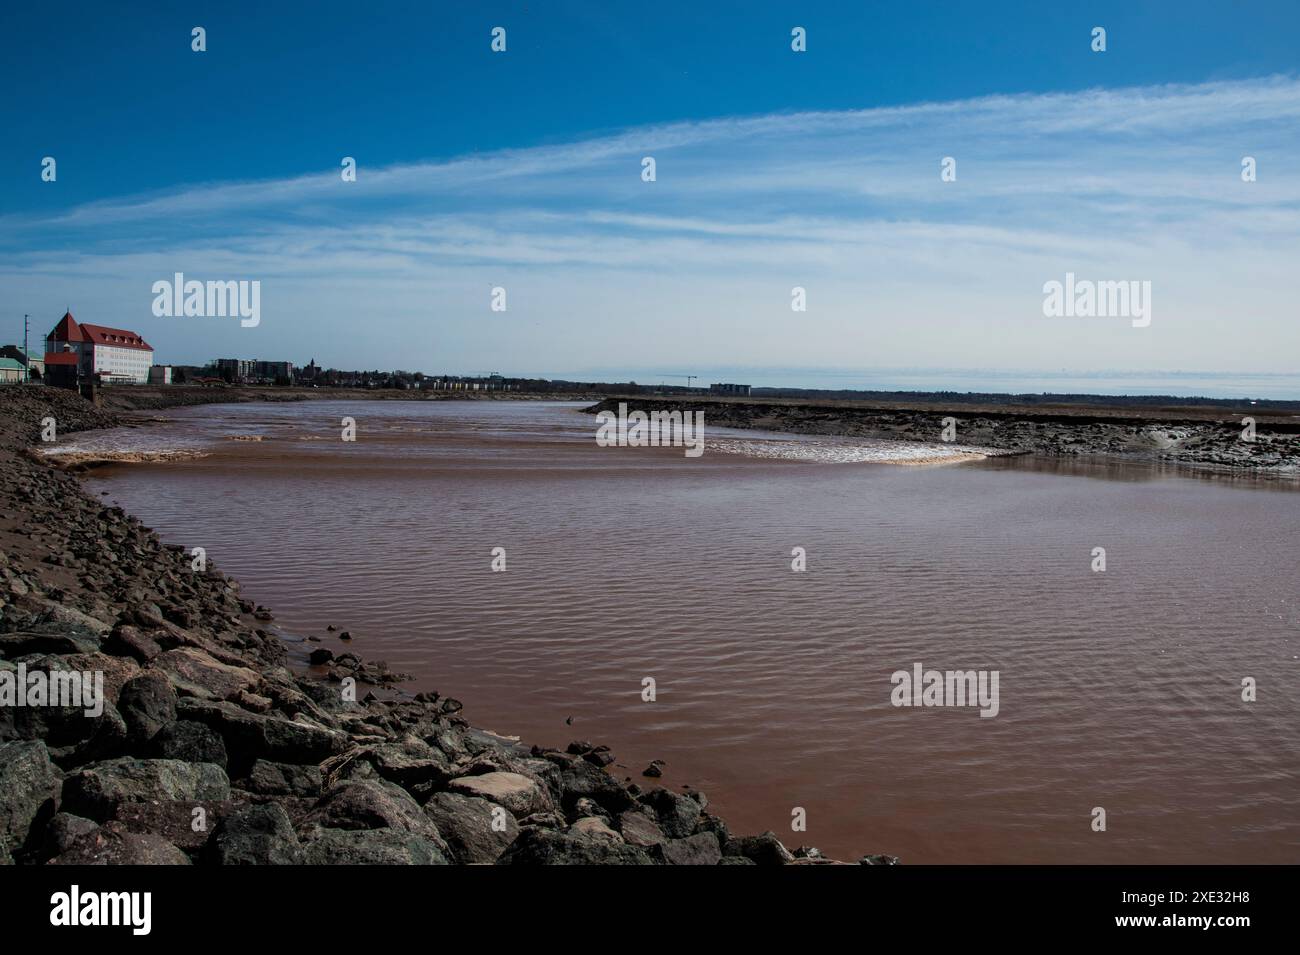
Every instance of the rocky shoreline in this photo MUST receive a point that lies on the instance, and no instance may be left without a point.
(213, 745)
(1207, 439)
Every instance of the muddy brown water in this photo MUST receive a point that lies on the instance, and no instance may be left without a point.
(1120, 689)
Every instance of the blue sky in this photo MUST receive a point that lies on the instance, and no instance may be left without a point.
(775, 170)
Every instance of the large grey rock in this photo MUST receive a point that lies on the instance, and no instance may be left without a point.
(251, 736)
(518, 793)
(186, 825)
(640, 828)
(766, 849)
(372, 804)
(699, 849)
(198, 674)
(256, 835)
(147, 704)
(114, 844)
(473, 832)
(283, 779)
(594, 827)
(127, 641)
(61, 728)
(65, 829)
(20, 644)
(370, 847)
(536, 846)
(678, 815)
(410, 761)
(96, 789)
(189, 741)
(579, 779)
(29, 793)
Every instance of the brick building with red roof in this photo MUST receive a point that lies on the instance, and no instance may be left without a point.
(112, 354)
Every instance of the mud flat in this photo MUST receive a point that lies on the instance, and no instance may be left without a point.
(1194, 436)
(131, 398)
(217, 738)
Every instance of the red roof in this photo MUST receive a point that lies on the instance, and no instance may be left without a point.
(60, 358)
(69, 331)
(118, 337)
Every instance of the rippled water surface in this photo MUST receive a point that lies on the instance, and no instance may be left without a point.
(1119, 689)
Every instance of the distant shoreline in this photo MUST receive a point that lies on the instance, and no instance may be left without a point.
(1210, 438)
(1205, 434)
(1155, 407)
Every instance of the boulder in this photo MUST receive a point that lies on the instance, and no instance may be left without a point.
(372, 804)
(128, 641)
(579, 779)
(65, 829)
(593, 827)
(108, 737)
(536, 846)
(409, 761)
(761, 850)
(189, 741)
(518, 793)
(255, 835)
(22, 643)
(640, 828)
(677, 814)
(283, 779)
(254, 736)
(186, 825)
(371, 847)
(114, 844)
(147, 703)
(467, 825)
(699, 849)
(197, 673)
(97, 789)
(29, 793)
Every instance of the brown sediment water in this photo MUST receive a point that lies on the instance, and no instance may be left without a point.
(1120, 689)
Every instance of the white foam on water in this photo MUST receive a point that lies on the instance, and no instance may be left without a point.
(859, 451)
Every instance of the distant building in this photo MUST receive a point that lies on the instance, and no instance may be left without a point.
(31, 360)
(11, 371)
(234, 369)
(246, 371)
(63, 369)
(160, 374)
(273, 371)
(111, 354)
(728, 389)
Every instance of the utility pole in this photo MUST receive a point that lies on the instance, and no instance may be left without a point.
(27, 358)
(689, 378)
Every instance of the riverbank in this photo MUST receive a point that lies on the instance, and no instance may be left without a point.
(1192, 435)
(132, 398)
(220, 739)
